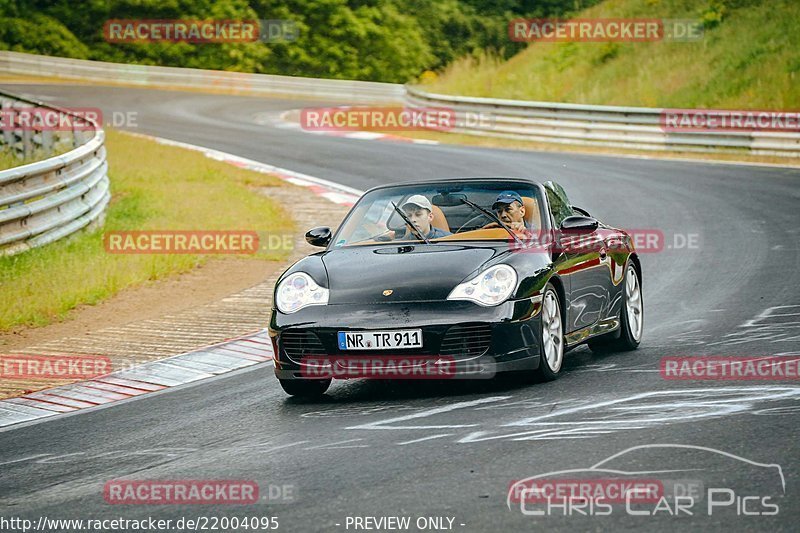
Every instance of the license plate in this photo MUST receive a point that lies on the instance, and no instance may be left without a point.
(380, 340)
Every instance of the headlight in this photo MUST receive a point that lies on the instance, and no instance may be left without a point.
(297, 291)
(491, 287)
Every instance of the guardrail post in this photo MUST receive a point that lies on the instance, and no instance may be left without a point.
(77, 136)
(27, 143)
(47, 141)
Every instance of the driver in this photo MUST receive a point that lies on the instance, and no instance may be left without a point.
(511, 210)
(419, 211)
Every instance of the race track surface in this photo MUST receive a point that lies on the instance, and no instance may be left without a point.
(452, 450)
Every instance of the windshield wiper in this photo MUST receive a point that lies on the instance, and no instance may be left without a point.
(494, 217)
(411, 226)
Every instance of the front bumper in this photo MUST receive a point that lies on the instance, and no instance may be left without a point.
(476, 342)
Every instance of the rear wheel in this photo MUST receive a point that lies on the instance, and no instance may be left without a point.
(552, 337)
(631, 318)
(305, 387)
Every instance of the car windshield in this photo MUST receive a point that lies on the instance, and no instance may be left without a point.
(441, 212)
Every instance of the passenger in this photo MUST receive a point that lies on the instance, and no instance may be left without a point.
(419, 211)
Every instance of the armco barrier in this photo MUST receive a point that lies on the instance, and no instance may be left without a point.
(623, 127)
(189, 78)
(576, 124)
(50, 199)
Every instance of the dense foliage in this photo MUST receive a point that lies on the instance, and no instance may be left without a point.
(380, 40)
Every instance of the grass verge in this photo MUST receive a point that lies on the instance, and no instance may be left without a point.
(154, 187)
(746, 59)
(9, 160)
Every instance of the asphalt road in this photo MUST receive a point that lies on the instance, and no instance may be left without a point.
(452, 450)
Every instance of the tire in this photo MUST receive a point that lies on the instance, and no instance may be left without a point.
(629, 335)
(307, 388)
(551, 339)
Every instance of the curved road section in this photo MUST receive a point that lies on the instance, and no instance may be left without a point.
(424, 457)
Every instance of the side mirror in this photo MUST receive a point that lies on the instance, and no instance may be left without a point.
(579, 224)
(396, 223)
(319, 236)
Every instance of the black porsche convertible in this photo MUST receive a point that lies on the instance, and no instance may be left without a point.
(458, 278)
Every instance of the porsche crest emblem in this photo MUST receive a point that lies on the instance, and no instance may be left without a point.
(388, 292)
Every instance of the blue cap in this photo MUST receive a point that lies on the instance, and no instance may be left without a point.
(506, 197)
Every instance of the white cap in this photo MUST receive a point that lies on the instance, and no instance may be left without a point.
(419, 201)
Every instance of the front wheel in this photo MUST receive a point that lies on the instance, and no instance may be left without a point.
(552, 337)
(631, 318)
(307, 388)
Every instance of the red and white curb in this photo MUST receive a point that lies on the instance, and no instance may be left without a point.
(331, 191)
(196, 365)
(192, 366)
(286, 123)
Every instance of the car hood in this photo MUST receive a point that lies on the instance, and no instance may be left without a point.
(413, 273)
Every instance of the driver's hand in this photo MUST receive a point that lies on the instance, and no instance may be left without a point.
(385, 237)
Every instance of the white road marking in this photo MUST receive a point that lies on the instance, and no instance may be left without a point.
(767, 326)
(776, 411)
(382, 424)
(712, 400)
(336, 445)
(25, 459)
(639, 411)
(424, 438)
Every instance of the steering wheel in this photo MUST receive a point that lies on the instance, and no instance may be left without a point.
(472, 221)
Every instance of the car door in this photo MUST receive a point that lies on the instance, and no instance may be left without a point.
(581, 265)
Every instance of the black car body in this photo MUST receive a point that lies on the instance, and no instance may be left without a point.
(391, 286)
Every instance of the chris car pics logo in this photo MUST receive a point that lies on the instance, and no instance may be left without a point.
(668, 480)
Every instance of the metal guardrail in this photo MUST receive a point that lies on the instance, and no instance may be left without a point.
(189, 78)
(622, 127)
(575, 124)
(44, 201)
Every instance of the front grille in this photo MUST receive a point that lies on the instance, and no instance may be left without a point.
(466, 341)
(297, 344)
